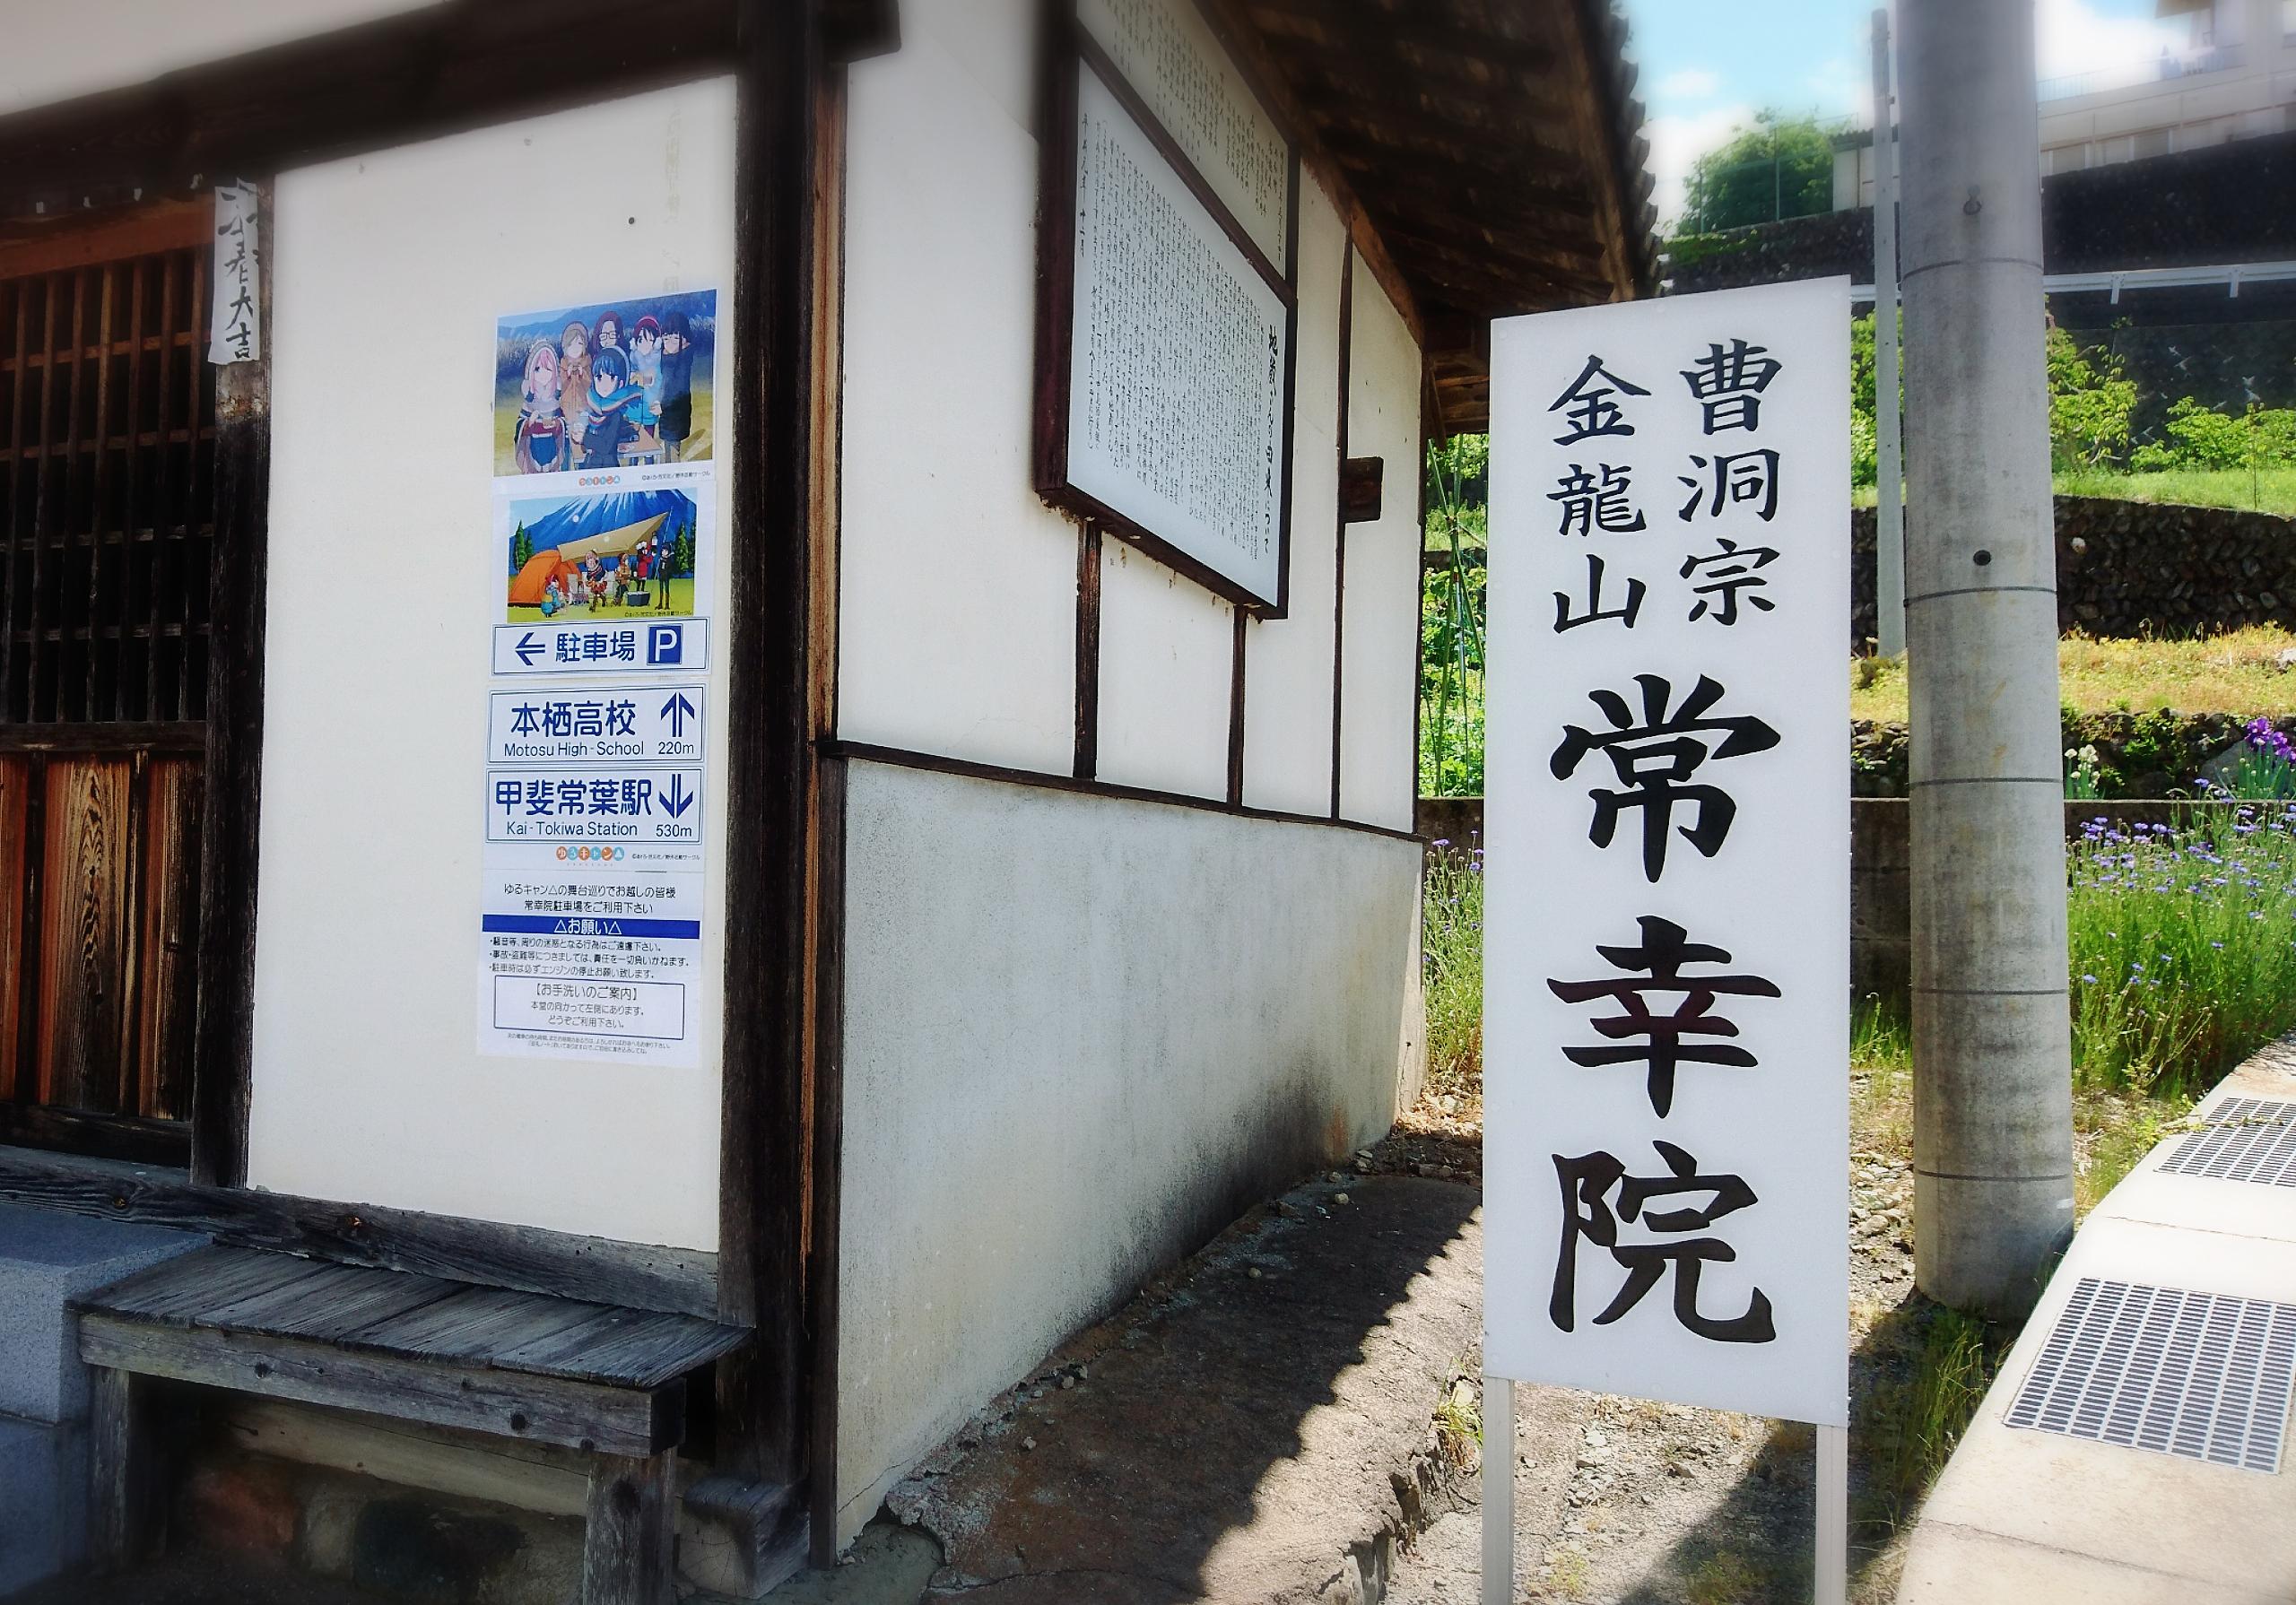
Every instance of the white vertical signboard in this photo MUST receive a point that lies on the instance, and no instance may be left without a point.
(1666, 976)
(592, 937)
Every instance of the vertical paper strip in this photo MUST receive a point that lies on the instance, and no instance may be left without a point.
(235, 325)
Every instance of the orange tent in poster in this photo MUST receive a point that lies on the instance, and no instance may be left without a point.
(527, 584)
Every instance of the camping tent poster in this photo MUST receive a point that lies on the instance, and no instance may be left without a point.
(631, 551)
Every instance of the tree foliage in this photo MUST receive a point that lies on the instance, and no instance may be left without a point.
(1781, 167)
(2090, 401)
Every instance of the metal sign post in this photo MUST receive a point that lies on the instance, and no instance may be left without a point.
(1889, 475)
(1666, 960)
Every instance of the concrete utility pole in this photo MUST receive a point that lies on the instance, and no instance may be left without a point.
(1889, 505)
(1993, 1116)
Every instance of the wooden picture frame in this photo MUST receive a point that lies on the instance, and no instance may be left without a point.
(1071, 58)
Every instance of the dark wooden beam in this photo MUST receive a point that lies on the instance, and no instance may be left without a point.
(231, 771)
(765, 1155)
(570, 1266)
(458, 65)
(855, 30)
(1360, 485)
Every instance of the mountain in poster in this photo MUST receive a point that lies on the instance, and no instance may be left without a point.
(552, 524)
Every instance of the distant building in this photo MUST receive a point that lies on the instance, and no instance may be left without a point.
(2235, 79)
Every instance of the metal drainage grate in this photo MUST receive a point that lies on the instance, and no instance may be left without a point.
(2241, 1140)
(2199, 1374)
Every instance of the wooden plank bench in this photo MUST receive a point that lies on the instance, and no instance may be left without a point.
(604, 1379)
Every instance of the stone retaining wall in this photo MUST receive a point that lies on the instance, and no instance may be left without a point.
(2127, 568)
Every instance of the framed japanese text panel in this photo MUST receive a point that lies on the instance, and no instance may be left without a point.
(1164, 49)
(1666, 920)
(1165, 323)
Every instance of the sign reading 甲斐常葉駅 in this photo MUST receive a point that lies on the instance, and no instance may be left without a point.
(1667, 915)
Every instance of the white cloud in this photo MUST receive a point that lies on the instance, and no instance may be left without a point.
(1688, 84)
(1677, 141)
(2071, 39)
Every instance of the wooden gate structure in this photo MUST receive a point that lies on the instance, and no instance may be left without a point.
(107, 490)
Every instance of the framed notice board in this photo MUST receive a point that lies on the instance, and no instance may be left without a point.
(1167, 307)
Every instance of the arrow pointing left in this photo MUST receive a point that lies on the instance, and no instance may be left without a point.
(529, 649)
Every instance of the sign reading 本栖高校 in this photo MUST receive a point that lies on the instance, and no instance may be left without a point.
(1667, 915)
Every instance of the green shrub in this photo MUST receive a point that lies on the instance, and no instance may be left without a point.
(2202, 438)
(1450, 942)
(2090, 401)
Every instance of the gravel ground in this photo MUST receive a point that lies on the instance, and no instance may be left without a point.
(1623, 1500)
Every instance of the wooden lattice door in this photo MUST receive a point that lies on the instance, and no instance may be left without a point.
(106, 496)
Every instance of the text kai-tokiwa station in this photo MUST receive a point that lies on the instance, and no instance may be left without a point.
(707, 711)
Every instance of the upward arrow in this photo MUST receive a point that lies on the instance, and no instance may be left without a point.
(677, 711)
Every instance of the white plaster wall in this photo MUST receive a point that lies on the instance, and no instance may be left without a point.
(1287, 662)
(1168, 651)
(55, 52)
(957, 584)
(1380, 642)
(389, 272)
(1080, 1035)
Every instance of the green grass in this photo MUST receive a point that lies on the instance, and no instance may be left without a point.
(2183, 948)
(1951, 1369)
(1451, 948)
(2267, 491)
(2236, 671)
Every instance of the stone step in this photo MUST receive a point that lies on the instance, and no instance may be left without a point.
(48, 1257)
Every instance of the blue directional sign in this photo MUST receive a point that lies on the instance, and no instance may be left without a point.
(679, 644)
(594, 805)
(622, 723)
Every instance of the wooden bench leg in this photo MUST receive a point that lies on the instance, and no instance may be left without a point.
(118, 1468)
(629, 1540)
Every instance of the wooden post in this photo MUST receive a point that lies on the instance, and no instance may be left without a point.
(118, 1471)
(629, 1540)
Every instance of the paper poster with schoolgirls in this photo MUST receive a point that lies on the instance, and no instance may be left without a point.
(623, 384)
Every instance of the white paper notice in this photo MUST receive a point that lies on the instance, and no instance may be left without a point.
(1667, 918)
(235, 317)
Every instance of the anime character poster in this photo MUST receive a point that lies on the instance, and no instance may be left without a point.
(625, 384)
(597, 557)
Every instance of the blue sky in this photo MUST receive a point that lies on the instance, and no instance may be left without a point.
(1708, 66)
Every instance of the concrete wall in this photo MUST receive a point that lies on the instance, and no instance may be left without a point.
(389, 272)
(1080, 1035)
